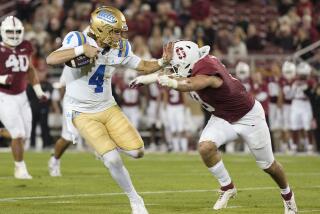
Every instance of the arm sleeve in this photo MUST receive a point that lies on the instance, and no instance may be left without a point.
(130, 59)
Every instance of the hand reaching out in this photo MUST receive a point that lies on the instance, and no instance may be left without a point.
(167, 53)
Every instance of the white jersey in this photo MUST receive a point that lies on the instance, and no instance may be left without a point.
(89, 89)
(68, 75)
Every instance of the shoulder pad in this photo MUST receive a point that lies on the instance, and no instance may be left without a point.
(74, 39)
(124, 48)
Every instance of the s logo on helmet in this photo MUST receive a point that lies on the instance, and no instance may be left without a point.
(181, 53)
(108, 17)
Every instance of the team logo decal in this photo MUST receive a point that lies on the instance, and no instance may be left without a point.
(106, 16)
(180, 52)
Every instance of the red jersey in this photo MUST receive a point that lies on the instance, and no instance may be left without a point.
(130, 96)
(230, 101)
(174, 97)
(15, 61)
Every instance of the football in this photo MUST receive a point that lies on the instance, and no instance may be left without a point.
(79, 61)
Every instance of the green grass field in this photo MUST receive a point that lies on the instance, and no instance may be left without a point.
(169, 183)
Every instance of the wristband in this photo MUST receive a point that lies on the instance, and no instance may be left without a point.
(173, 83)
(79, 50)
(38, 90)
(161, 62)
(3, 79)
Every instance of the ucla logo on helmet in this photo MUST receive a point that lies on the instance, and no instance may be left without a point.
(107, 17)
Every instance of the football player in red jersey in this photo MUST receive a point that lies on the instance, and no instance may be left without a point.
(235, 113)
(15, 69)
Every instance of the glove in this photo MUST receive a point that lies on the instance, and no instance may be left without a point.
(166, 81)
(143, 80)
(136, 82)
(6, 79)
(42, 96)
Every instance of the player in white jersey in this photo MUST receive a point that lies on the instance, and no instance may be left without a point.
(301, 111)
(89, 101)
(176, 110)
(288, 76)
(130, 104)
(66, 137)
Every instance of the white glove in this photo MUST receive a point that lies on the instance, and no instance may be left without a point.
(166, 81)
(6, 79)
(40, 94)
(143, 80)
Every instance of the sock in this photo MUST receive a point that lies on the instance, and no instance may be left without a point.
(221, 174)
(184, 144)
(175, 144)
(119, 173)
(20, 164)
(286, 193)
(229, 186)
(54, 160)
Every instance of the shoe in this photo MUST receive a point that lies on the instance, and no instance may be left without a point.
(21, 173)
(290, 206)
(224, 197)
(138, 207)
(54, 168)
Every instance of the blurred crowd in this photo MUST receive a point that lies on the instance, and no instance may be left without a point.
(235, 30)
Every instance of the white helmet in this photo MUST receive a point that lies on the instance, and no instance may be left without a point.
(304, 68)
(129, 75)
(185, 55)
(12, 31)
(289, 70)
(242, 71)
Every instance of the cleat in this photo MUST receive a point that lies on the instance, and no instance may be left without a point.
(54, 168)
(290, 206)
(21, 173)
(224, 197)
(138, 207)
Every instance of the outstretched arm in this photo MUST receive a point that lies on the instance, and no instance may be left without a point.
(151, 66)
(191, 83)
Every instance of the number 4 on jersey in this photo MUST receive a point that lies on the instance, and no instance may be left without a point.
(97, 79)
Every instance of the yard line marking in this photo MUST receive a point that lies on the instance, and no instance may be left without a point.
(308, 211)
(14, 199)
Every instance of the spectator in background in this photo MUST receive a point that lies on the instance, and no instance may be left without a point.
(237, 50)
(273, 26)
(253, 41)
(184, 16)
(303, 40)
(285, 38)
(209, 32)
(284, 6)
(155, 42)
(40, 110)
(223, 40)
